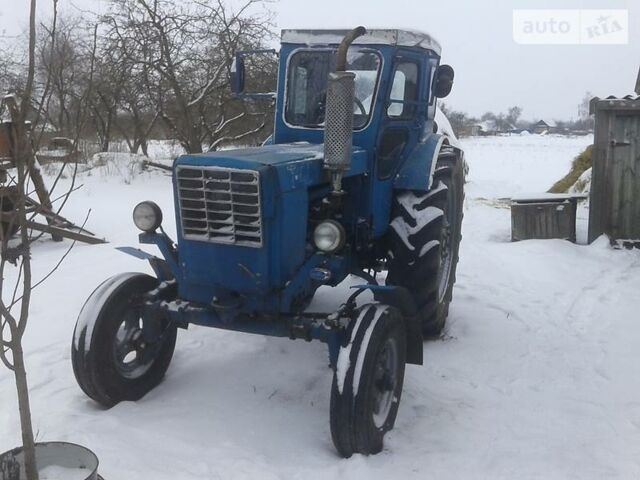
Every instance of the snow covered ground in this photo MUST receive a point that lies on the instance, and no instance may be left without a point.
(536, 376)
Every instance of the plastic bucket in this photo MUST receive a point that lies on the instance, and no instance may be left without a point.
(51, 456)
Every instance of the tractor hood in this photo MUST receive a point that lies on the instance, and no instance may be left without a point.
(242, 219)
(296, 165)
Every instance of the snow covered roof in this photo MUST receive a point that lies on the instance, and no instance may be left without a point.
(632, 98)
(404, 38)
(487, 125)
(549, 123)
(612, 102)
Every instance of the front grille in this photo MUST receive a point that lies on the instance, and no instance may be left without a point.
(220, 205)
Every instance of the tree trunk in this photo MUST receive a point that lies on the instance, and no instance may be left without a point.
(145, 147)
(195, 145)
(28, 441)
(106, 140)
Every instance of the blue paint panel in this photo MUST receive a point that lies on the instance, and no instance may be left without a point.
(415, 174)
(209, 270)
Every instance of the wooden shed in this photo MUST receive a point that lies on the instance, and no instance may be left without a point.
(615, 184)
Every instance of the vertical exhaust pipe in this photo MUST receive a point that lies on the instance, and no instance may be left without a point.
(338, 130)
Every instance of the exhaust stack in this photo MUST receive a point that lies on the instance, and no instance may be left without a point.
(338, 132)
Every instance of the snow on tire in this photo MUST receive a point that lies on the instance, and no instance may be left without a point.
(367, 384)
(424, 241)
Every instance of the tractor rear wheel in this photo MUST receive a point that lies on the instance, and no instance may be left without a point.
(424, 241)
(113, 359)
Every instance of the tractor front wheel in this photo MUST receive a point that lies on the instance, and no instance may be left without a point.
(113, 358)
(367, 383)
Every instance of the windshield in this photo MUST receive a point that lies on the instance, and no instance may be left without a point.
(307, 85)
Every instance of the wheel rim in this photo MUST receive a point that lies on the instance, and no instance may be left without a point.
(385, 382)
(446, 249)
(133, 356)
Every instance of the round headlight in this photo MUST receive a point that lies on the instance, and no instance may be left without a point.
(329, 236)
(147, 216)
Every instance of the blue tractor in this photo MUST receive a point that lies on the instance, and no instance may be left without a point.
(360, 177)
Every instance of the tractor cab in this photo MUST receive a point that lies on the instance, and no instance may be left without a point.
(397, 81)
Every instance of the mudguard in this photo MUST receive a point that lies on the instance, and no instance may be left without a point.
(400, 298)
(417, 171)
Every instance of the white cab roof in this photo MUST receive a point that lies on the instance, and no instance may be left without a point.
(402, 38)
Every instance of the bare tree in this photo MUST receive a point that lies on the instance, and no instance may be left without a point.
(513, 115)
(15, 252)
(12, 353)
(186, 50)
(138, 116)
(64, 52)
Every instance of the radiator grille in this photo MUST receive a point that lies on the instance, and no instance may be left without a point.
(220, 205)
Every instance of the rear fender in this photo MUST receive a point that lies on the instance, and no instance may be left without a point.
(417, 172)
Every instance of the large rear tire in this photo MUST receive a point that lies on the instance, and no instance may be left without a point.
(424, 241)
(367, 384)
(112, 360)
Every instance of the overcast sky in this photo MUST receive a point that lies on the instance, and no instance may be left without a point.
(492, 71)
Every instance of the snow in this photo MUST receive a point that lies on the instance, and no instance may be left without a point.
(583, 184)
(535, 376)
(423, 217)
(547, 197)
(445, 128)
(357, 372)
(54, 472)
(373, 36)
(428, 246)
(344, 356)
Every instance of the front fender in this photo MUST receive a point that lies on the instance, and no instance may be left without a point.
(165, 269)
(400, 298)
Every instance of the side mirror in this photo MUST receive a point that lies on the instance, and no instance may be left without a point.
(443, 81)
(253, 72)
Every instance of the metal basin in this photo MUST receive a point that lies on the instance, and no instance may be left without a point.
(51, 454)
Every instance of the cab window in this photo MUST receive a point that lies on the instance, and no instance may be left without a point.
(307, 85)
(403, 98)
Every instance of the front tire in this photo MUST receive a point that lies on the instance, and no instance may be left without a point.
(112, 360)
(367, 384)
(424, 241)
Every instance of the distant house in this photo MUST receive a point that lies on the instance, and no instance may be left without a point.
(477, 129)
(488, 127)
(545, 126)
(474, 130)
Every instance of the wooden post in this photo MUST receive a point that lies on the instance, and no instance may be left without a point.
(34, 169)
(615, 183)
(43, 195)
